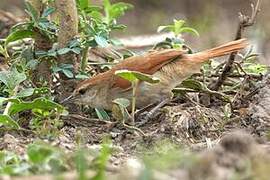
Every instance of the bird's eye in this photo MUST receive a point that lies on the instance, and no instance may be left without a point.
(82, 91)
(184, 47)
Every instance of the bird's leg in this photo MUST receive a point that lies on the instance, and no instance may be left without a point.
(153, 111)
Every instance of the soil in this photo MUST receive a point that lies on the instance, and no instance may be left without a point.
(204, 131)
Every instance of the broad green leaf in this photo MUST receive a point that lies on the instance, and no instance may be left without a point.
(126, 74)
(133, 76)
(8, 121)
(98, 16)
(146, 78)
(119, 9)
(122, 102)
(68, 73)
(101, 41)
(92, 9)
(189, 30)
(83, 4)
(26, 92)
(255, 68)
(18, 35)
(13, 100)
(12, 78)
(39, 154)
(39, 103)
(102, 114)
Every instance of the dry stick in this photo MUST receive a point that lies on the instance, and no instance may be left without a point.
(245, 21)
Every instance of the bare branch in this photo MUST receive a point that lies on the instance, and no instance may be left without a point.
(244, 21)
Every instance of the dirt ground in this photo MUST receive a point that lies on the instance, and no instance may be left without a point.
(223, 146)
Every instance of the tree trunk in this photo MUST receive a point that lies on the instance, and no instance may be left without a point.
(42, 74)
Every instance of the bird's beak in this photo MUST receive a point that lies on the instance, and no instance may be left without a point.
(68, 99)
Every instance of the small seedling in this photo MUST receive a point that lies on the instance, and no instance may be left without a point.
(177, 28)
(135, 77)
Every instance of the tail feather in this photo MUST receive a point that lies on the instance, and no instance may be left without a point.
(222, 50)
(227, 48)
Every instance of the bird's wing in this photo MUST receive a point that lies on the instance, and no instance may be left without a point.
(147, 64)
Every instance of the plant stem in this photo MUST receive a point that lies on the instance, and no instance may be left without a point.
(13, 94)
(134, 90)
(84, 59)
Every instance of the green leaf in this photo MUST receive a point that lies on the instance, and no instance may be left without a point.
(98, 16)
(107, 6)
(12, 78)
(165, 28)
(92, 8)
(63, 51)
(122, 102)
(81, 76)
(31, 11)
(189, 30)
(83, 4)
(119, 9)
(48, 11)
(81, 163)
(68, 73)
(8, 121)
(126, 74)
(39, 103)
(101, 41)
(2, 100)
(39, 154)
(133, 76)
(26, 92)
(102, 160)
(18, 35)
(146, 78)
(192, 84)
(76, 50)
(178, 24)
(102, 114)
(255, 68)
(74, 43)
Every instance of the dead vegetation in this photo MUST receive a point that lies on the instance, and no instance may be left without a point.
(195, 136)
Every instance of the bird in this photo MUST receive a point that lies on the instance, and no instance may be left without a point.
(170, 66)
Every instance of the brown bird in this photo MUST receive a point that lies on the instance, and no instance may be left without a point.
(171, 66)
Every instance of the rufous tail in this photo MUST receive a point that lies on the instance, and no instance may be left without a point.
(222, 50)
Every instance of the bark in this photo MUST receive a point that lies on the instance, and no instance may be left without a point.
(42, 74)
(68, 27)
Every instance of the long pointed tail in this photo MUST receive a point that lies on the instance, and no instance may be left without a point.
(222, 50)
